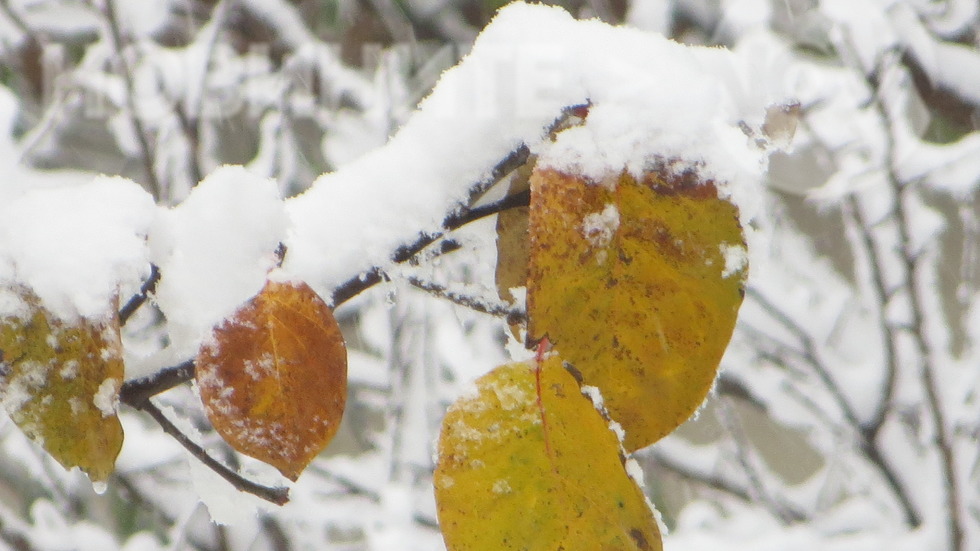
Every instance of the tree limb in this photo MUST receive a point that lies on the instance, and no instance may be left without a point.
(140, 297)
(274, 494)
(913, 283)
(372, 277)
(866, 443)
(882, 295)
(136, 392)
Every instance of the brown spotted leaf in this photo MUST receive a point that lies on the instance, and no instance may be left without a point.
(273, 377)
(527, 463)
(637, 283)
(512, 242)
(60, 380)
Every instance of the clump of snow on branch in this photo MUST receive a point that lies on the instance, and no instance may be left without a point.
(75, 246)
(215, 250)
(352, 219)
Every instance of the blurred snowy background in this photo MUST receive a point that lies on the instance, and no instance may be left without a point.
(847, 414)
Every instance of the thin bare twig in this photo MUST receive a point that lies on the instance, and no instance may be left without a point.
(136, 392)
(927, 372)
(715, 482)
(140, 297)
(360, 283)
(273, 494)
(149, 162)
(882, 296)
(466, 214)
(913, 284)
(756, 488)
(16, 19)
(349, 485)
(189, 116)
(275, 534)
(498, 309)
(134, 495)
(810, 354)
(867, 445)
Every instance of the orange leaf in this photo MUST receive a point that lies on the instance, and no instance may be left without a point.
(638, 285)
(273, 377)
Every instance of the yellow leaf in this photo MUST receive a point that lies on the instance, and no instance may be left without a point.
(529, 464)
(273, 377)
(638, 284)
(60, 380)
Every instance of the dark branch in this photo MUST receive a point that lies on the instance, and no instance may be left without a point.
(865, 438)
(494, 309)
(136, 392)
(913, 283)
(514, 160)
(278, 494)
(882, 296)
(717, 482)
(137, 300)
(359, 284)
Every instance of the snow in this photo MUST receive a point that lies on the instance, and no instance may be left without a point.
(861, 30)
(214, 251)
(51, 531)
(594, 395)
(598, 228)
(634, 471)
(703, 526)
(74, 245)
(651, 101)
(949, 65)
(142, 18)
(736, 259)
(226, 505)
(106, 398)
(651, 15)
(352, 219)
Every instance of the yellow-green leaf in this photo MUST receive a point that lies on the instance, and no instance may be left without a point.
(273, 377)
(60, 380)
(527, 463)
(637, 284)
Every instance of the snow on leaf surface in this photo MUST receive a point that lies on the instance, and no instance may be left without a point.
(59, 382)
(528, 463)
(637, 283)
(273, 377)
